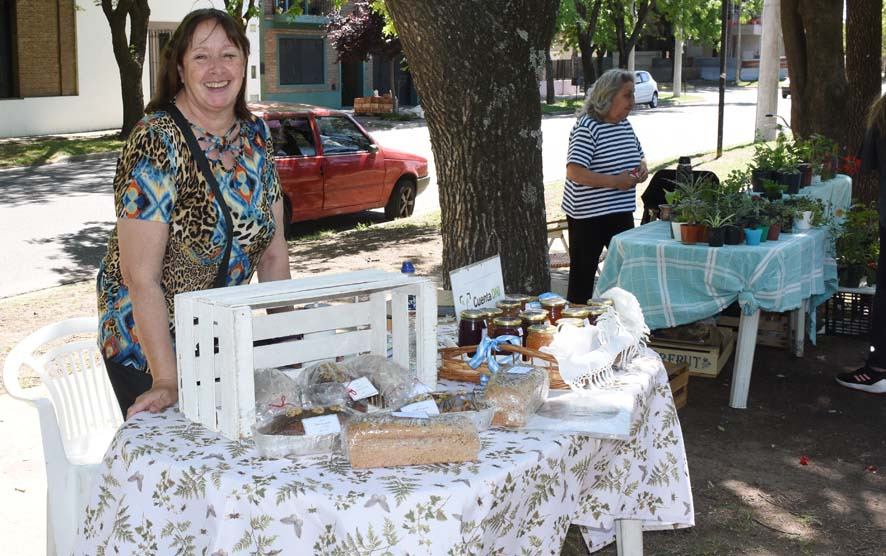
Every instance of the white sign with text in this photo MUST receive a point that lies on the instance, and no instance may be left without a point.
(477, 285)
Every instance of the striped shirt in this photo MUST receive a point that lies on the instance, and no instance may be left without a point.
(606, 149)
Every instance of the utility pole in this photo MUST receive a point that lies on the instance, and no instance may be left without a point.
(770, 66)
(722, 102)
(738, 46)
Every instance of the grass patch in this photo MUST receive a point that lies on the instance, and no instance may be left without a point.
(565, 106)
(40, 150)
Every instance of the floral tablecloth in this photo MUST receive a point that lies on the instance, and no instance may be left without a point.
(169, 486)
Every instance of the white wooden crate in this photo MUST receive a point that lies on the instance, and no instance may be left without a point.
(216, 331)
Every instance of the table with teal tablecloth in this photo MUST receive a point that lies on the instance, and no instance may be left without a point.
(835, 193)
(680, 284)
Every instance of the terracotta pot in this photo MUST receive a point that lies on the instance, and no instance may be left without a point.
(774, 230)
(690, 233)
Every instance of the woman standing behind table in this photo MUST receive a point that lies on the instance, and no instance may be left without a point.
(174, 233)
(604, 164)
(871, 377)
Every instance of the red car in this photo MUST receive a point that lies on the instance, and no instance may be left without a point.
(329, 164)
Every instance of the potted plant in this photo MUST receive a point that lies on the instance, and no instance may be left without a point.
(690, 214)
(788, 214)
(773, 189)
(717, 224)
(762, 165)
(810, 212)
(665, 211)
(858, 247)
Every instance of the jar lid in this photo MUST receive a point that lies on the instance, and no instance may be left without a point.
(507, 303)
(578, 323)
(597, 310)
(552, 302)
(507, 322)
(576, 312)
(534, 315)
(521, 297)
(542, 329)
(491, 312)
(473, 314)
(601, 301)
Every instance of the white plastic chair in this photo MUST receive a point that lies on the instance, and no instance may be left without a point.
(77, 421)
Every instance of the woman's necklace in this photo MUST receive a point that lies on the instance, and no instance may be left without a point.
(226, 148)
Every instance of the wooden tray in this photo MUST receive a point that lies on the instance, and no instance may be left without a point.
(455, 365)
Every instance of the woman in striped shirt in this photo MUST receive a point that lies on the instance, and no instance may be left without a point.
(604, 164)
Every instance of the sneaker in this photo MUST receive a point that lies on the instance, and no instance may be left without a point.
(865, 379)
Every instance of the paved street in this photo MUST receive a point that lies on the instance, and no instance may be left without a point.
(54, 219)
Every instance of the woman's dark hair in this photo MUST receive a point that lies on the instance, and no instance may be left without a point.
(169, 82)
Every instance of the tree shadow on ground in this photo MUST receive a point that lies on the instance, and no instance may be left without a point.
(41, 184)
(83, 251)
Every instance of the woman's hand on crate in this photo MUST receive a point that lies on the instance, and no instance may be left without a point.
(163, 394)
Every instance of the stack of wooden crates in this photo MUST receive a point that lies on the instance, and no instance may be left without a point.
(374, 105)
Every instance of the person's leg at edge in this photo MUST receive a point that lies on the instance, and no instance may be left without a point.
(872, 376)
(128, 383)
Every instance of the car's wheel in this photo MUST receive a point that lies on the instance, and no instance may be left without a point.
(784, 93)
(654, 102)
(402, 201)
(287, 217)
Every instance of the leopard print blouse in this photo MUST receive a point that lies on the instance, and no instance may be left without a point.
(158, 180)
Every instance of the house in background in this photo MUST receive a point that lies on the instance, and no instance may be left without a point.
(298, 62)
(57, 68)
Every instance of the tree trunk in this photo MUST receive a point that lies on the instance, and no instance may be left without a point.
(813, 41)
(393, 84)
(624, 41)
(863, 53)
(586, 39)
(550, 93)
(677, 78)
(476, 67)
(130, 55)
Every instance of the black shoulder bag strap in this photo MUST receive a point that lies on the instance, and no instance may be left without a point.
(203, 164)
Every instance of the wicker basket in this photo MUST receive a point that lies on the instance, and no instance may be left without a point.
(455, 365)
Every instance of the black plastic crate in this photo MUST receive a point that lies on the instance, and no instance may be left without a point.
(848, 313)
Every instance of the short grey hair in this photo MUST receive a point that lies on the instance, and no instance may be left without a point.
(599, 99)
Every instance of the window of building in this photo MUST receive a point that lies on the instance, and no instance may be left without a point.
(301, 61)
(7, 67)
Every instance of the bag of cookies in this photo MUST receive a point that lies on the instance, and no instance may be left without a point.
(516, 392)
(457, 402)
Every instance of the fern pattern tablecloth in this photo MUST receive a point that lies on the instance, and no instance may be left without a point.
(170, 486)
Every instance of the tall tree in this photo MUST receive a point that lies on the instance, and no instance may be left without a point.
(863, 49)
(578, 22)
(820, 82)
(129, 51)
(476, 67)
(627, 25)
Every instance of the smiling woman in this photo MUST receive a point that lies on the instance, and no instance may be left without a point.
(198, 205)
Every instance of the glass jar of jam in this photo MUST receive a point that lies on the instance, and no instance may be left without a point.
(509, 307)
(491, 314)
(540, 335)
(595, 311)
(530, 317)
(523, 298)
(605, 301)
(578, 323)
(554, 306)
(575, 312)
(504, 326)
(470, 327)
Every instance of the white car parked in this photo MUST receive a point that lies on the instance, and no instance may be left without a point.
(645, 89)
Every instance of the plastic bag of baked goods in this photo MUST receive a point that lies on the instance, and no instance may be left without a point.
(393, 382)
(517, 392)
(299, 431)
(325, 371)
(273, 386)
(453, 402)
(386, 440)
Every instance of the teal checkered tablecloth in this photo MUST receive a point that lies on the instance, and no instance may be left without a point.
(680, 284)
(836, 194)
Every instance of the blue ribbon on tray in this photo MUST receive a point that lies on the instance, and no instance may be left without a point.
(487, 348)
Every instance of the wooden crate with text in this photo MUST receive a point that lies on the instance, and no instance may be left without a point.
(702, 360)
